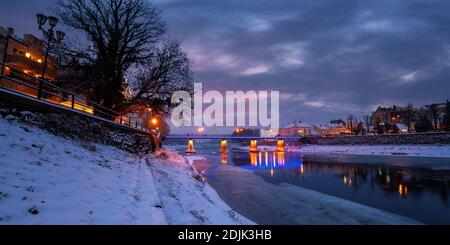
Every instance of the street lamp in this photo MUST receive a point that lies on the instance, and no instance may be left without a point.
(53, 21)
(60, 36)
(41, 20)
(49, 34)
(155, 121)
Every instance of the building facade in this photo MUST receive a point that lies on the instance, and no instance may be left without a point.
(297, 128)
(25, 54)
(331, 129)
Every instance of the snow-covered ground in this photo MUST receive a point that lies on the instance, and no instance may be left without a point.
(406, 150)
(45, 179)
(186, 196)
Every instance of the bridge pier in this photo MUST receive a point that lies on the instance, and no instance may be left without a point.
(253, 146)
(223, 146)
(280, 146)
(191, 148)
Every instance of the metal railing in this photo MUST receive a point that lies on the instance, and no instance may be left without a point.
(26, 84)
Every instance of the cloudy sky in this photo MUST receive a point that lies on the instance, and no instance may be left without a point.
(327, 58)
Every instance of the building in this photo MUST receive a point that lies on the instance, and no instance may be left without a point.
(332, 129)
(297, 128)
(25, 54)
(396, 116)
(26, 59)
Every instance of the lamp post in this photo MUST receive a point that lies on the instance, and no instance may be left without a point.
(49, 35)
(149, 110)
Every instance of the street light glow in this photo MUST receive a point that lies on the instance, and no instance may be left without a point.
(154, 121)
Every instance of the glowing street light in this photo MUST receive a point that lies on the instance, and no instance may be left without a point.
(154, 121)
(201, 130)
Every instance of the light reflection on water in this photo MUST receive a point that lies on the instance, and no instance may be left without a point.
(416, 192)
(419, 193)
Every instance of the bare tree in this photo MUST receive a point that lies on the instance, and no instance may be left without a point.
(434, 115)
(161, 76)
(409, 116)
(446, 119)
(120, 33)
(359, 129)
(352, 123)
(367, 122)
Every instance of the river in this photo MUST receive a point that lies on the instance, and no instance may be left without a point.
(262, 185)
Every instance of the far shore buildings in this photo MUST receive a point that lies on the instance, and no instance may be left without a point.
(331, 129)
(299, 128)
(408, 116)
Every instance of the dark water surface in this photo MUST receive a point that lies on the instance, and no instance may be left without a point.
(414, 187)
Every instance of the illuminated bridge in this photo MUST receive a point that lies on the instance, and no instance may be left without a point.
(224, 141)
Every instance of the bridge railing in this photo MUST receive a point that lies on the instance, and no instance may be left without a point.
(26, 84)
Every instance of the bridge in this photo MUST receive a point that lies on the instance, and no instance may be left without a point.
(224, 141)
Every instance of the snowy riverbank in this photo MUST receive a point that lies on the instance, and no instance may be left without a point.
(397, 150)
(45, 179)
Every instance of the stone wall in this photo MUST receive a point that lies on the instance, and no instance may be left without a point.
(401, 139)
(82, 128)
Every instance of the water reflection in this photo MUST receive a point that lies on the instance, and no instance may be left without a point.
(224, 158)
(266, 160)
(417, 192)
(402, 190)
(401, 181)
